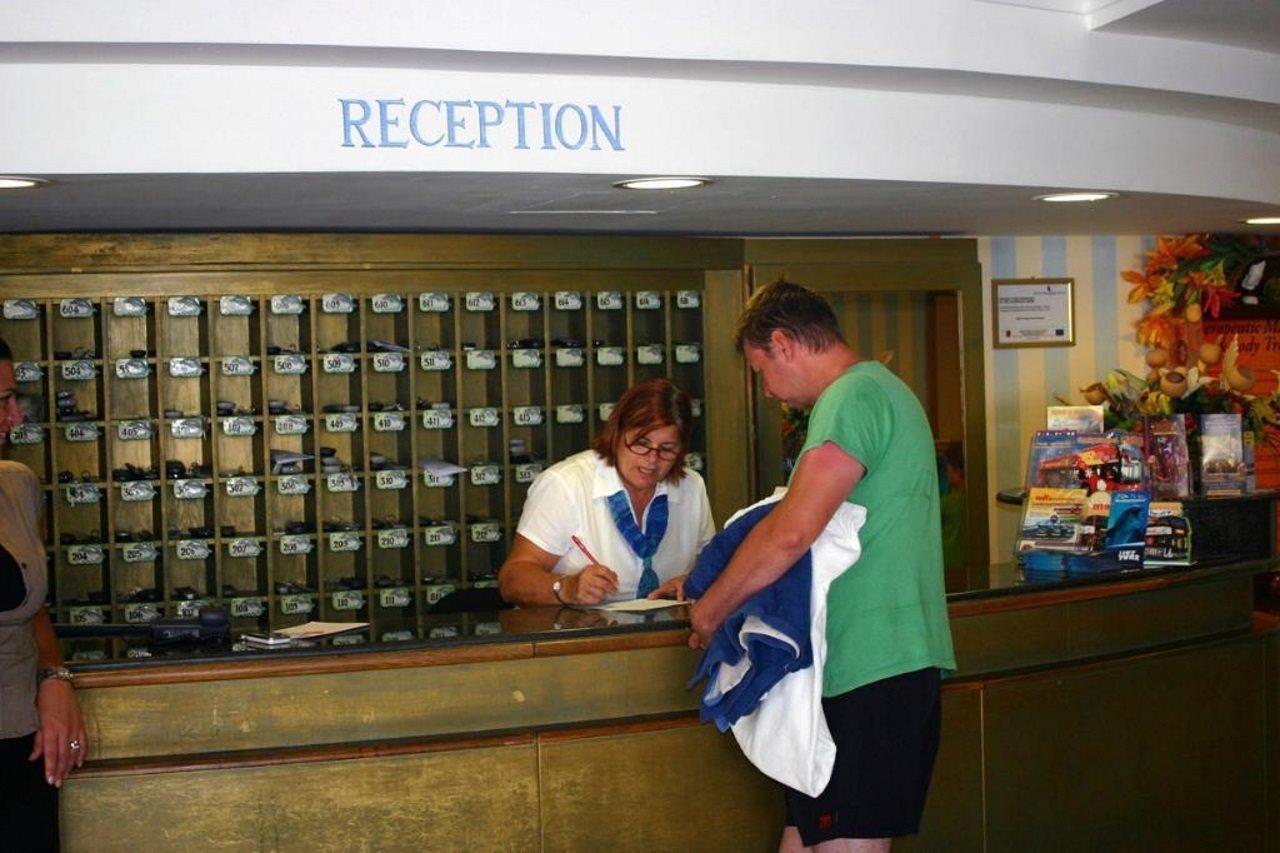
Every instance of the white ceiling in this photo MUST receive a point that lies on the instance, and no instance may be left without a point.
(588, 203)
(580, 203)
(1249, 24)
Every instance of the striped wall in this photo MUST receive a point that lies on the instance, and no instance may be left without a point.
(892, 327)
(1021, 382)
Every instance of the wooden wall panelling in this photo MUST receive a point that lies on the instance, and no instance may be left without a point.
(394, 566)
(510, 391)
(953, 813)
(129, 339)
(567, 384)
(526, 386)
(1272, 742)
(432, 571)
(726, 386)
(589, 368)
(269, 252)
(209, 507)
(680, 788)
(268, 496)
(338, 569)
(241, 517)
(193, 718)
(483, 798)
(318, 568)
(1160, 754)
(365, 565)
(410, 444)
(481, 388)
(454, 449)
(1077, 629)
(105, 447)
(167, 569)
(42, 457)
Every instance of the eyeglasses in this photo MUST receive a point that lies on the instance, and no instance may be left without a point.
(642, 447)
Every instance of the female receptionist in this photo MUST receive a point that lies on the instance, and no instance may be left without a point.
(621, 520)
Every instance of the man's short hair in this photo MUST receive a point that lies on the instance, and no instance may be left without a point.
(792, 309)
(6, 354)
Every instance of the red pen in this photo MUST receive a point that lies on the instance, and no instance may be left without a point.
(583, 549)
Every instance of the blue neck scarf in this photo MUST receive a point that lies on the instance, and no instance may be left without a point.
(644, 544)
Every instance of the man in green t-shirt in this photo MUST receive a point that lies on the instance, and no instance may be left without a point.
(888, 638)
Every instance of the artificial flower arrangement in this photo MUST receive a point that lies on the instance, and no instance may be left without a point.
(1184, 280)
(795, 424)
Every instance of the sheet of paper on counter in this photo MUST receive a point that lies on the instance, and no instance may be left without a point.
(321, 629)
(638, 605)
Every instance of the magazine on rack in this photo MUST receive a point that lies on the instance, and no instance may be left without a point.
(1048, 461)
(1168, 535)
(1108, 463)
(1114, 532)
(1075, 418)
(1051, 520)
(1168, 462)
(1222, 467)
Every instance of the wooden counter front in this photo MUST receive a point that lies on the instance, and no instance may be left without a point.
(1137, 713)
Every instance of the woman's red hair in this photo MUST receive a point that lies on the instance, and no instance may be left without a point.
(646, 406)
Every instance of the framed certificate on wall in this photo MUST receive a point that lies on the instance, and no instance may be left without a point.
(1033, 312)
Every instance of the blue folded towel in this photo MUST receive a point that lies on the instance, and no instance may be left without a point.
(782, 607)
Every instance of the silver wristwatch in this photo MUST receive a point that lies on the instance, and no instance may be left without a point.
(61, 673)
(555, 589)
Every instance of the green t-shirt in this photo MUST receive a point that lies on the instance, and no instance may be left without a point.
(888, 613)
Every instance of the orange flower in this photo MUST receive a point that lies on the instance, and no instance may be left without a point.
(1143, 285)
(1157, 329)
(1170, 250)
(1217, 297)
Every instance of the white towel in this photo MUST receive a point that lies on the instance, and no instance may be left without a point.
(786, 737)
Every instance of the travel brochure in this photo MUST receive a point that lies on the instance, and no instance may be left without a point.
(1052, 520)
(1222, 464)
(1093, 462)
(1087, 419)
(1168, 535)
(1168, 462)
(1100, 502)
(1070, 532)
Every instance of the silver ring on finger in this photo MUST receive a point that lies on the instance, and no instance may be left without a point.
(74, 743)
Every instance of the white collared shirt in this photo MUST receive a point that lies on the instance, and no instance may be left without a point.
(571, 499)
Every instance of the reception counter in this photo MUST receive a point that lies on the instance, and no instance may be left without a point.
(1133, 711)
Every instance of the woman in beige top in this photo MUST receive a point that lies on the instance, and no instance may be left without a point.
(41, 729)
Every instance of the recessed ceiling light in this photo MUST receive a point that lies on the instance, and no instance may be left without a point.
(12, 182)
(583, 212)
(1076, 196)
(1262, 220)
(661, 183)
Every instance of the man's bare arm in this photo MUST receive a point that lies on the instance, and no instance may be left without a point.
(824, 477)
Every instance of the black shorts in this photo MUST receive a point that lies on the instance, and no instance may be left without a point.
(886, 736)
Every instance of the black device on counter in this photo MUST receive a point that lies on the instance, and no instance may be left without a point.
(210, 626)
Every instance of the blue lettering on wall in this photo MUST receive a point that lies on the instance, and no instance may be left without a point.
(520, 107)
(484, 122)
(454, 123)
(546, 126)
(580, 120)
(350, 122)
(415, 124)
(479, 123)
(600, 125)
(386, 122)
